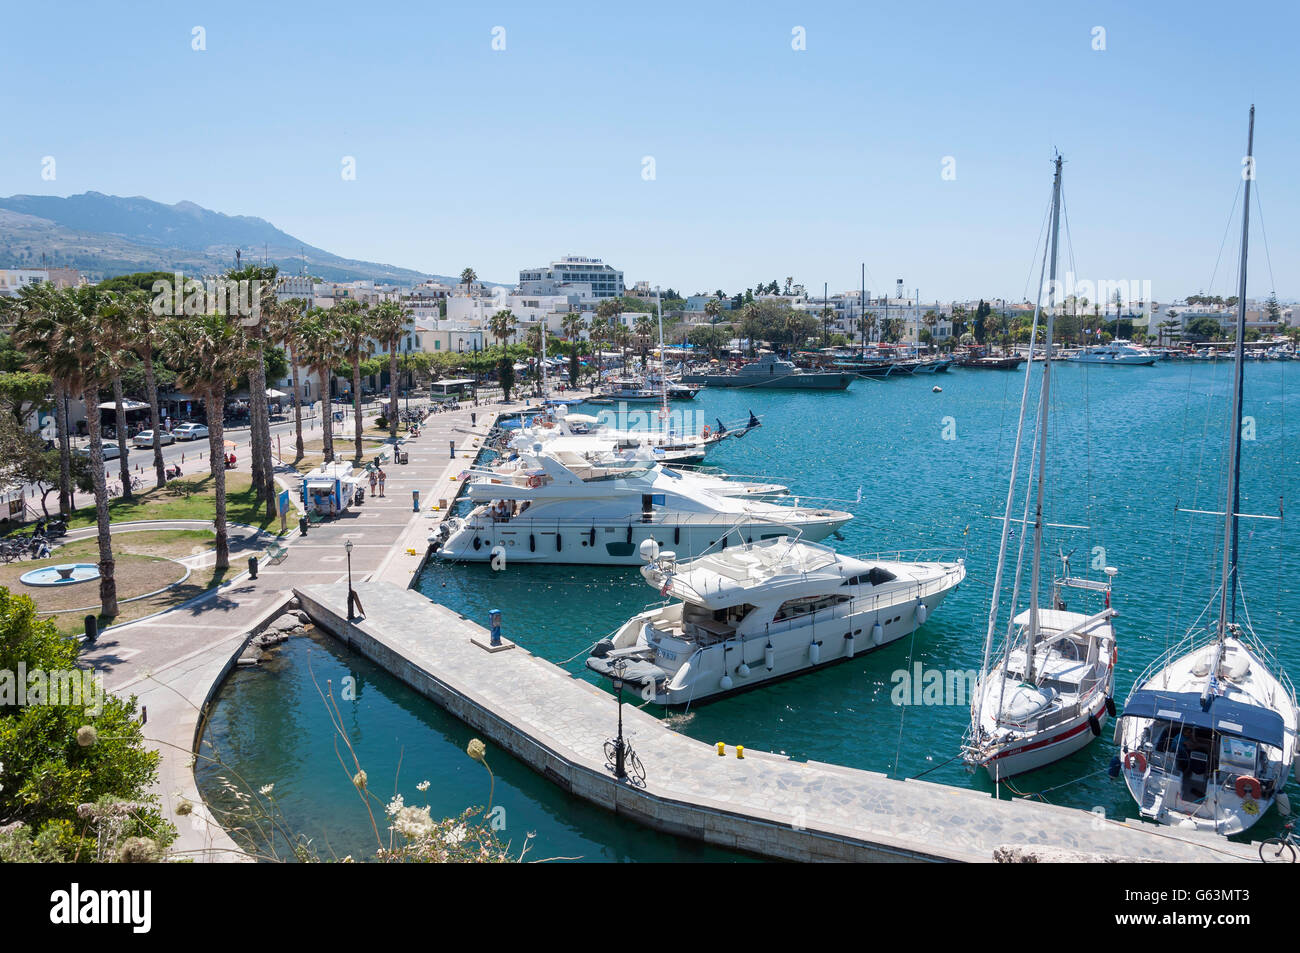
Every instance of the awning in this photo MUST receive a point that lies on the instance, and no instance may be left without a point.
(326, 485)
(1221, 715)
(126, 405)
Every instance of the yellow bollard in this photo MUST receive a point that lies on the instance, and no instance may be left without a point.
(740, 752)
(722, 749)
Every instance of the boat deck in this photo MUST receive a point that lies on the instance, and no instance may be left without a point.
(765, 804)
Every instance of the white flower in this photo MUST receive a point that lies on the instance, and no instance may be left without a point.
(413, 822)
(394, 805)
(266, 789)
(422, 786)
(457, 834)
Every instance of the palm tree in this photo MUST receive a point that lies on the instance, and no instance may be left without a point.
(208, 352)
(322, 348)
(285, 318)
(40, 313)
(502, 325)
(468, 277)
(390, 321)
(114, 330)
(827, 316)
(643, 328)
(623, 339)
(354, 323)
(712, 308)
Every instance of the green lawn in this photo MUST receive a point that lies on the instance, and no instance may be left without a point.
(189, 498)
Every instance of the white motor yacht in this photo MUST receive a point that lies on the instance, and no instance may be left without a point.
(1116, 352)
(754, 613)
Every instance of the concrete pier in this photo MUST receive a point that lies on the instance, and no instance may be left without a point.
(765, 804)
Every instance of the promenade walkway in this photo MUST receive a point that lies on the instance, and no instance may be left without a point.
(174, 661)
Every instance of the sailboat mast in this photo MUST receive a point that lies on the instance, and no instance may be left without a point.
(663, 375)
(1228, 596)
(1043, 406)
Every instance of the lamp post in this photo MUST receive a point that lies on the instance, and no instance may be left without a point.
(353, 598)
(620, 770)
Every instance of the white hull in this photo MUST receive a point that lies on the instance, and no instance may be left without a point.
(1062, 742)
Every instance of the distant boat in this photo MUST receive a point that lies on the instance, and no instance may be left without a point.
(1117, 352)
(991, 363)
(771, 371)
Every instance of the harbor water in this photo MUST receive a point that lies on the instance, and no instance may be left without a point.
(1130, 449)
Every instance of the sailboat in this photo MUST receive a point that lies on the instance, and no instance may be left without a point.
(1208, 735)
(1050, 693)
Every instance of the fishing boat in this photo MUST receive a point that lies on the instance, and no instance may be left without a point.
(1117, 352)
(1208, 735)
(541, 511)
(771, 371)
(1051, 692)
(754, 613)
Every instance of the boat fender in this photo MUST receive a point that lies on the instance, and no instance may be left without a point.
(602, 648)
(477, 542)
(724, 683)
(742, 670)
(1110, 706)
(848, 645)
(591, 536)
(559, 543)
(677, 535)
(1248, 786)
(815, 652)
(1119, 730)
(1113, 769)
(724, 542)
(1095, 725)
(877, 634)
(1136, 759)
(629, 536)
(1283, 804)
(769, 657)
(921, 613)
(532, 543)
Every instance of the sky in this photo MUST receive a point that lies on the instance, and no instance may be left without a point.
(691, 145)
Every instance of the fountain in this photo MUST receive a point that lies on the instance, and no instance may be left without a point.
(67, 574)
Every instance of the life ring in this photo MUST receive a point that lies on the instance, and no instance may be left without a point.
(1135, 758)
(534, 482)
(706, 432)
(1248, 786)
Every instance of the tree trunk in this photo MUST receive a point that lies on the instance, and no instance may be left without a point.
(217, 461)
(392, 388)
(261, 431)
(155, 419)
(107, 579)
(65, 449)
(297, 403)
(356, 398)
(257, 463)
(326, 415)
(119, 418)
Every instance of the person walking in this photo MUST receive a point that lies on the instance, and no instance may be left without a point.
(382, 477)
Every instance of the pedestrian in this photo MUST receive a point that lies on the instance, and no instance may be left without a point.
(382, 477)
(373, 480)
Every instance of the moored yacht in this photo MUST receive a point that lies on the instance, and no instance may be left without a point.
(758, 612)
(545, 512)
(1116, 352)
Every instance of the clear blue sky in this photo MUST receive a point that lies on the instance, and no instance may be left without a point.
(769, 161)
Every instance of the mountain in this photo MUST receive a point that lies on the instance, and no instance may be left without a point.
(106, 235)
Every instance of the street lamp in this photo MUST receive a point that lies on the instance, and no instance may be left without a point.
(353, 598)
(620, 770)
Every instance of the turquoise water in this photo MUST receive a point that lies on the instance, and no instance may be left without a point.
(1126, 446)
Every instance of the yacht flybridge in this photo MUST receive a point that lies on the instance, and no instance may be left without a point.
(757, 612)
(542, 511)
(1208, 735)
(1051, 691)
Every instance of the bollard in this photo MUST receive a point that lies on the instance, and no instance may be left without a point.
(453, 449)
(722, 749)
(92, 629)
(302, 525)
(740, 751)
(415, 501)
(473, 419)
(252, 567)
(494, 619)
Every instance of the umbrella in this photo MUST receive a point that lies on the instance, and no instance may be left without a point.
(230, 445)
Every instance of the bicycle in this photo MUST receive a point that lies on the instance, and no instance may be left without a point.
(1279, 850)
(632, 766)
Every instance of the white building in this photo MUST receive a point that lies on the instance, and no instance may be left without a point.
(573, 274)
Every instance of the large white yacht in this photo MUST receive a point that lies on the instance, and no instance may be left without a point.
(1116, 352)
(758, 612)
(559, 429)
(542, 511)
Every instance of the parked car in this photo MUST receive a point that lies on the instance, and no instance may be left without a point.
(145, 438)
(190, 432)
(111, 450)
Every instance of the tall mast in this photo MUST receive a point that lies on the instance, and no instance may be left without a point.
(1228, 596)
(663, 375)
(1043, 406)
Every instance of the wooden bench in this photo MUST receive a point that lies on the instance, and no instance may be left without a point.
(276, 553)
